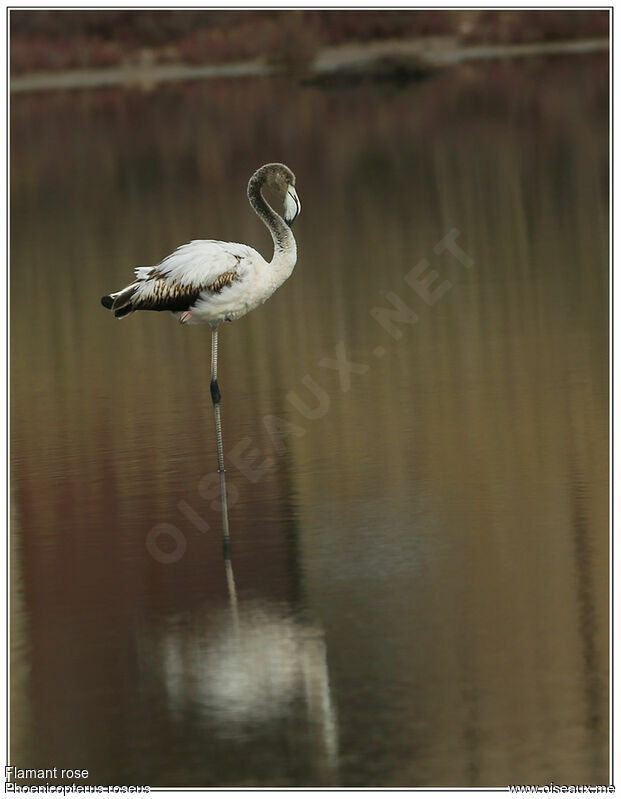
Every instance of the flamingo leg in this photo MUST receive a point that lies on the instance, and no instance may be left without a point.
(216, 397)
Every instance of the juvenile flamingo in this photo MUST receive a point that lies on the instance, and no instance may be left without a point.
(219, 281)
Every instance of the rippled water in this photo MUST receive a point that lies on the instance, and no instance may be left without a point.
(419, 585)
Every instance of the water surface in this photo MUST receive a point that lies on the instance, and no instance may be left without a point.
(419, 584)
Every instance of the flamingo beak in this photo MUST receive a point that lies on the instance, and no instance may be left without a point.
(293, 206)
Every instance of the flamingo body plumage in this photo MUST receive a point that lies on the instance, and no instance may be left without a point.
(208, 281)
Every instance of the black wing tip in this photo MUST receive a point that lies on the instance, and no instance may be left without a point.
(108, 302)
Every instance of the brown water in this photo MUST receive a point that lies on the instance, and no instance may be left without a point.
(419, 584)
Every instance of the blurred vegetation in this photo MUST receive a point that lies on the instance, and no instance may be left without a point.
(58, 40)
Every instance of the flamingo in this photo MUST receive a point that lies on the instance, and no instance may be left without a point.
(208, 281)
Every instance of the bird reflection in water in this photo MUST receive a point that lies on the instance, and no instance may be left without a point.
(252, 665)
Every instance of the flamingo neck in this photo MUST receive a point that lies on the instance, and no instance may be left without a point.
(285, 250)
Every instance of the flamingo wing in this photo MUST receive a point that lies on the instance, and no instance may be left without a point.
(181, 278)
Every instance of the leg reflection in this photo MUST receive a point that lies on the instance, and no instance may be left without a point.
(253, 673)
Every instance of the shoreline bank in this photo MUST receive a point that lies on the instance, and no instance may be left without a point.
(350, 61)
